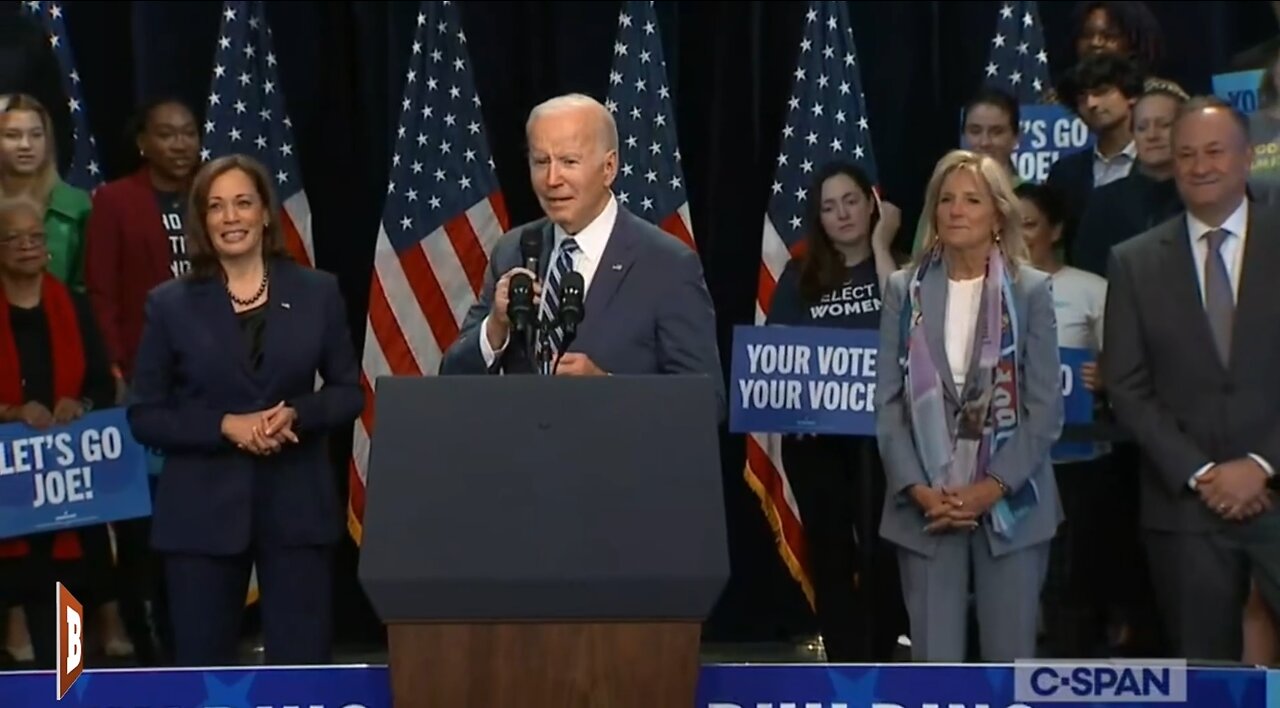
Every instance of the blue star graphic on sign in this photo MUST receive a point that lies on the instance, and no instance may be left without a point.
(854, 685)
(232, 695)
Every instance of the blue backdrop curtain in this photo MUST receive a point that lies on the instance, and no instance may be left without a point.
(343, 66)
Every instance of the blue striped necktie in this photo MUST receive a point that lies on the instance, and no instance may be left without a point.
(552, 335)
(1219, 299)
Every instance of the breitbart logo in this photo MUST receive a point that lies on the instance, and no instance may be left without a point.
(70, 645)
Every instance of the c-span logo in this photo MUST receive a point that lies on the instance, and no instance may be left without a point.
(70, 645)
(1128, 681)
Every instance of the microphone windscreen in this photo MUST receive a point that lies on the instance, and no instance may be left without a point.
(573, 284)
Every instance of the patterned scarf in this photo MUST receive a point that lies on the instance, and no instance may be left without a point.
(989, 409)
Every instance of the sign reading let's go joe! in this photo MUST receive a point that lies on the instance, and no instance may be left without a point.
(88, 472)
(803, 380)
(1046, 133)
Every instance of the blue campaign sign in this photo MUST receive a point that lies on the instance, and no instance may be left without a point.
(1077, 403)
(1046, 133)
(803, 380)
(1239, 88)
(88, 472)
(1077, 400)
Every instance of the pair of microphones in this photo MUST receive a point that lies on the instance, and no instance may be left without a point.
(520, 307)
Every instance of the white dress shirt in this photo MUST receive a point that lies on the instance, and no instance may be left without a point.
(1237, 228)
(1109, 169)
(591, 244)
(964, 297)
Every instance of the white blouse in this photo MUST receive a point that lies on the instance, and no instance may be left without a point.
(963, 299)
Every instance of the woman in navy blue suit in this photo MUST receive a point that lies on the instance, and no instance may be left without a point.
(224, 386)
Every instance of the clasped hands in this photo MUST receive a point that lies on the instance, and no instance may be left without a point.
(37, 416)
(956, 509)
(261, 433)
(1236, 490)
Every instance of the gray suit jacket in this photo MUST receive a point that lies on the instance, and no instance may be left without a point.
(1023, 457)
(647, 311)
(1168, 385)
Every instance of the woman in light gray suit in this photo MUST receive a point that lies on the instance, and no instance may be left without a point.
(969, 403)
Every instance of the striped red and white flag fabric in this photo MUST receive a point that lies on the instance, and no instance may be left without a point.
(650, 181)
(444, 212)
(826, 120)
(245, 113)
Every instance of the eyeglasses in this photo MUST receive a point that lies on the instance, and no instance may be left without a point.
(34, 238)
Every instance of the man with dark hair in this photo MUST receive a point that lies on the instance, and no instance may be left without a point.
(1190, 366)
(1102, 89)
(28, 65)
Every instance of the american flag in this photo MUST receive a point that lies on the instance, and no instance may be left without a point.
(650, 181)
(84, 172)
(1018, 63)
(443, 214)
(826, 120)
(246, 114)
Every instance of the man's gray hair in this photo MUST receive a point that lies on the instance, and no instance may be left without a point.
(9, 206)
(1201, 103)
(570, 101)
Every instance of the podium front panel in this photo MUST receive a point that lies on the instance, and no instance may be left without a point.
(530, 497)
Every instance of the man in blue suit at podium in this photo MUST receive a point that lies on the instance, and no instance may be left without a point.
(646, 308)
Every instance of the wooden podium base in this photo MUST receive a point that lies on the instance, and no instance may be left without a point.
(544, 665)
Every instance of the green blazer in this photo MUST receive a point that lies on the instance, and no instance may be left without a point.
(64, 222)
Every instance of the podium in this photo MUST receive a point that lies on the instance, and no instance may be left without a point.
(544, 541)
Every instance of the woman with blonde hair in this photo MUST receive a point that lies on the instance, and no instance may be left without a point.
(969, 404)
(29, 172)
(29, 167)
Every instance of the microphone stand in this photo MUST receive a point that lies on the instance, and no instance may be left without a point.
(531, 344)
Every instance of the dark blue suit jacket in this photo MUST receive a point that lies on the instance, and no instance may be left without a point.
(193, 368)
(647, 310)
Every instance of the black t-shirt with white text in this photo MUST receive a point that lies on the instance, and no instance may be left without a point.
(171, 212)
(855, 304)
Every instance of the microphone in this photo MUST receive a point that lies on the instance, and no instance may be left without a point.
(520, 308)
(571, 310)
(531, 248)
